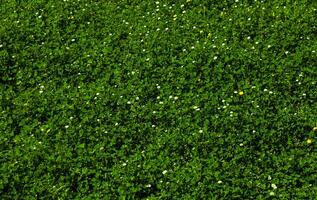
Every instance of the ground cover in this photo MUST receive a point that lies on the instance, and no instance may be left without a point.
(158, 99)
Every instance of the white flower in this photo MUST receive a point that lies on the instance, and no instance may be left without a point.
(215, 58)
(66, 126)
(149, 185)
(164, 172)
(200, 131)
(274, 186)
(175, 98)
(219, 182)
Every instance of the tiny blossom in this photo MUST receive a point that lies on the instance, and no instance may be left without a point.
(137, 98)
(158, 97)
(124, 164)
(272, 193)
(271, 92)
(215, 58)
(129, 102)
(274, 186)
(219, 182)
(265, 90)
(170, 96)
(66, 126)
(241, 144)
(309, 141)
(149, 185)
(153, 126)
(164, 172)
(161, 102)
(269, 178)
(200, 131)
(175, 98)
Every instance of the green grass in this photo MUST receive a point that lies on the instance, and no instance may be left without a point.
(140, 99)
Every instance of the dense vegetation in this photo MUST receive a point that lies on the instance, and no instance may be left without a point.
(137, 99)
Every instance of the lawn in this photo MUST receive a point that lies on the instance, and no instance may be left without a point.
(134, 99)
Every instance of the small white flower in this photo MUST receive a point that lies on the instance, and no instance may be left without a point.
(161, 102)
(269, 46)
(137, 98)
(272, 193)
(241, 144)
(274, 186)
(265, 90)
(219, 182)
(170, 96)
(269, 178)
(215, 58)
(73, 40)
(149, 185)
(66, 126)
(271, 92)
(41, 91)
(200, 131)
(158, 97)
(175, 98)
(164, 172)
(235, 92)
(153, 126)
(124, 164)
(129, 102)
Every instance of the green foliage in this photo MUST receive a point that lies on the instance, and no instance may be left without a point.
(158, 99)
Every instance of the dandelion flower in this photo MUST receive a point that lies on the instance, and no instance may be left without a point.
(315, 129)
(241, 93)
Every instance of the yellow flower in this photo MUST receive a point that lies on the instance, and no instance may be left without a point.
(241, 93)
(315, 129)
(309, 141)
